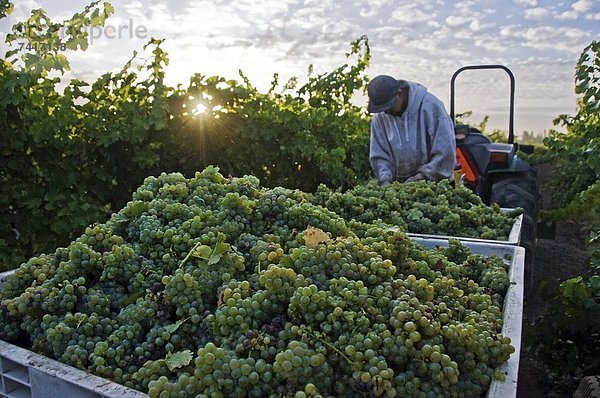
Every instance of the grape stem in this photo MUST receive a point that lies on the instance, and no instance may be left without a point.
(331, 346)
(187, 257)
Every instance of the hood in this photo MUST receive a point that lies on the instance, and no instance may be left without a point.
(416, 94)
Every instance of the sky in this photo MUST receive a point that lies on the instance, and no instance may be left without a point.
(419, 40)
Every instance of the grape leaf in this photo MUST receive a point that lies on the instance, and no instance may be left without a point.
(220, 248)
(178, 359)
(415, 215)
(136, 208)
(313, 236)
(174, 326)
(202, 251)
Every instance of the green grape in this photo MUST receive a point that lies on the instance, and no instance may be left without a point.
(211, 286)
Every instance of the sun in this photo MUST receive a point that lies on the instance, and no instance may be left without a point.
(199, 109)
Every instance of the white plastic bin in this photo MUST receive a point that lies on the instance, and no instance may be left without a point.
(514, 238)
(514, 257)
(26, 374)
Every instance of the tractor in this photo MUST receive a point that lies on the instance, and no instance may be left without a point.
(495, 172)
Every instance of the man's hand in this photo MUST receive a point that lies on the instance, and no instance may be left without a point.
(416, 177)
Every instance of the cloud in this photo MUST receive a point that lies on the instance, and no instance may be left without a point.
(475, 25)
(22, 11)
(582, 5)
(492, 43)
(422, 40)
(411, 15)
(527, 3)
(306, 20)
(568, 15)
(536, 13)
(465, 5)
(371, 8)
(457, 20)
(593, 17)
(562, 38)
(25, 6)
(473, 22)
(577, 10)
(260, 37)
(136, 8)
(434, 24)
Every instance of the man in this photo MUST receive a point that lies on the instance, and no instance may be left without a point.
(412, 135)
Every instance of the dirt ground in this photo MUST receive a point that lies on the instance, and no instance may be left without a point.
(555, 260)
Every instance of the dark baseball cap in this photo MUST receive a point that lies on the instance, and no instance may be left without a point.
(382, 92)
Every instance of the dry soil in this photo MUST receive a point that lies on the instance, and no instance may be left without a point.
(555, 260)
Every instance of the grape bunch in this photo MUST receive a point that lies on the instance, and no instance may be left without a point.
(216, 286)
(423, 207)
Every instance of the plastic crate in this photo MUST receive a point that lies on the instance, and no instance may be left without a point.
(514, 237)
(26, 374)
(4, 275)
(514, 257)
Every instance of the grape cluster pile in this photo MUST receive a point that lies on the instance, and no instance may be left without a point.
(215, 286)
(423, 207)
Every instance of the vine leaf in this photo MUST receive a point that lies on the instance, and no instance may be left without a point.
(205, 252)
(202, 252)
(178, 359)
(136, 208)
(174, 326)
(313, 236)
(415, 215)
(220, 248)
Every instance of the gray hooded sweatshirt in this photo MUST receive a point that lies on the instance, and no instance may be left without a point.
(420, 141)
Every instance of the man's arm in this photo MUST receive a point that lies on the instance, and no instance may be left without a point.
(380, 153)
(442, 155)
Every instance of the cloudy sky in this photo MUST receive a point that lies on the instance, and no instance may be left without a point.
(419, 40)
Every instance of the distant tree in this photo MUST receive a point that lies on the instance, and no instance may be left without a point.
(530, 137)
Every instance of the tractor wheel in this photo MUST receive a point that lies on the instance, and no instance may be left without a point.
(589, 387)
(521, 190)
